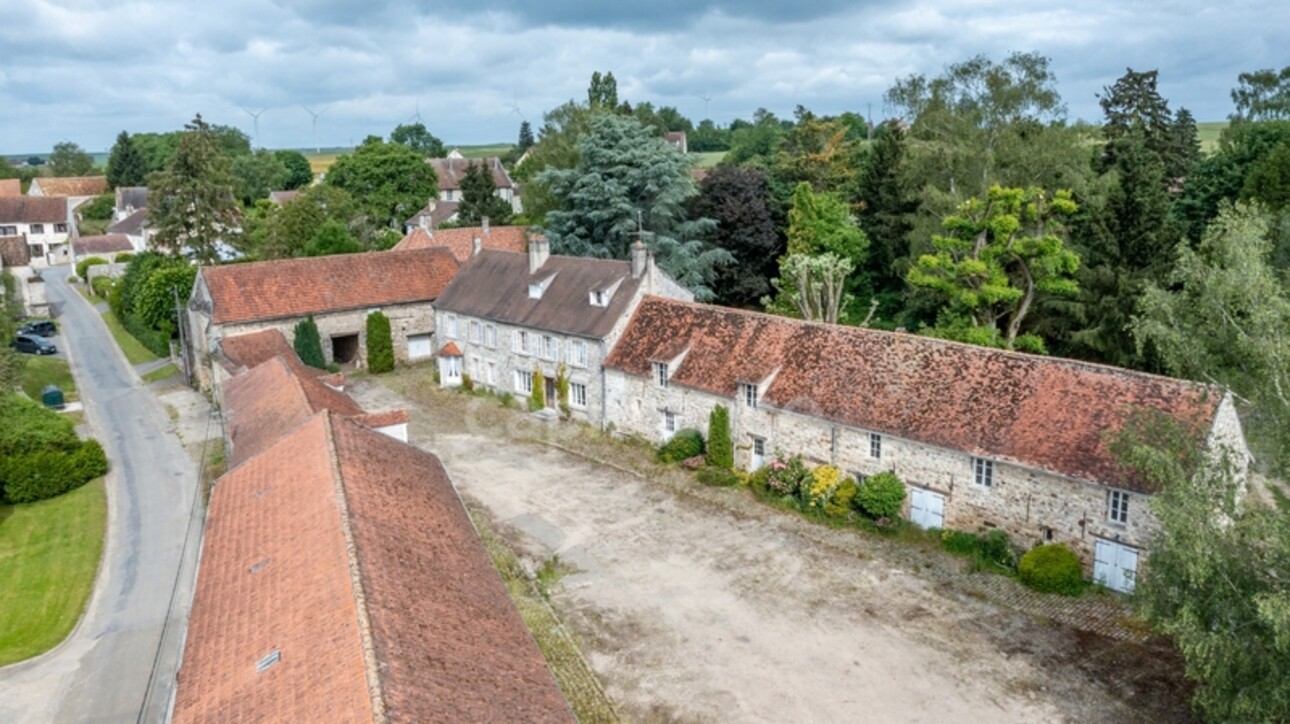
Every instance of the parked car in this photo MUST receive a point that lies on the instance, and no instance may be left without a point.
(44, 328)
(32, 344)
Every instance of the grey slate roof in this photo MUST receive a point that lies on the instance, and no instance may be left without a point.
(494, 285)
(33, 209)
(133, 197)
(132, 224)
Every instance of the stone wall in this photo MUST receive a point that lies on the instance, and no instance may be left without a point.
(1031, 505)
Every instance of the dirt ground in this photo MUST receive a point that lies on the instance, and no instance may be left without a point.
(699, 604)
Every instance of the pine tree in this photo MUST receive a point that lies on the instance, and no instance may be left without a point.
(126, 166)
(721, 450)
(380, 345)
(526, 137)
(479, 198)
(308, 344)
(192, 203)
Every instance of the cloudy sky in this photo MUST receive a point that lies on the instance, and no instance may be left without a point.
(83, 70)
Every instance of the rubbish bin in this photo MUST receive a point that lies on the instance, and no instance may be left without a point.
(51, 396)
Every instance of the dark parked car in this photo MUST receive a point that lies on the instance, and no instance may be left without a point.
(31, 344)
(44, 328)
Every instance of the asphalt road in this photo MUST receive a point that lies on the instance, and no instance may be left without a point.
(115, 667)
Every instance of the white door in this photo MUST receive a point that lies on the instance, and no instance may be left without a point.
(758, 453)
(419, 346)
(926, 509)
(1115, 565)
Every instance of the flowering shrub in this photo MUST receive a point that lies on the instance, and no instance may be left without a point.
(840, 504)
(786, 477)
(819, 491)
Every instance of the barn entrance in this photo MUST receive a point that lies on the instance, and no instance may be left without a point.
(344, 349)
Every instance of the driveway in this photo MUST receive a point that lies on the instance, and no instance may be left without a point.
(115, 667)
(700, 604)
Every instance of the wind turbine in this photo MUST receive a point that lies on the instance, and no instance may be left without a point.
(706, 97)
(417, 116)
(515, 108)
(256, 116)
(310, 111)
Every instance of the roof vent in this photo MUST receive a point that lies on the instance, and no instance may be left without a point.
(255, 568)
(268, 661)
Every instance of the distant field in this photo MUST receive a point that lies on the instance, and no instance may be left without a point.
(321, 161)
(708, 159)
(1209, 132)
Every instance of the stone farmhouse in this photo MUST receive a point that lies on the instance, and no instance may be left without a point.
(339, 291)
(452, 170)
(341, 579)
(984, 438)
(15, 257)
(74, 190)
(508, 315)
(466, 241)
(45, 222)
(106, 246)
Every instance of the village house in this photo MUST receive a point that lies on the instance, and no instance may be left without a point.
(280, 198)
(129, 199)
(43, 221)
(74, 190)
(466, 241)
(15, 257)
(10, 187)
(134, 226)
(452, 170)
(509, 316)
(983, 438)
(104, 246)
(341, 579)
(339, 291)
(435, 214)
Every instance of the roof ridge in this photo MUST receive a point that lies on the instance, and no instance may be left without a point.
(374, 253)
(366, 638)
(938, 341)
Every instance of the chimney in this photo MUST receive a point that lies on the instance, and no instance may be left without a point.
(478, 245)
(539, 250)
(640, 259)
(484, 223)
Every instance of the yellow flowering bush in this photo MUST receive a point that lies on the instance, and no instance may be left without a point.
(819, 490)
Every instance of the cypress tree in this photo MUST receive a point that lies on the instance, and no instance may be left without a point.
(721, 449)
(380, 345)
(308, 344)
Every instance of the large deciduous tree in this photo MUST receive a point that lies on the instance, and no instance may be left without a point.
(299, 173)
(259, 173)
(748, 226)
(628, 182)
(289, 230)
(1263, 95)
(192, 204)
(479, 199)
(998, 255)
(389, 181)
(416, 137)
(69, 159)
(126, 165)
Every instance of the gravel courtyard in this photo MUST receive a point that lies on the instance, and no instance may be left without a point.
(700, 604)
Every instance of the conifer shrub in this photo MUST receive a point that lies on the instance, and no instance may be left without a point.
(308, 343)
(380, 343)
(1052, 568)
(721, 448)
(537, 398)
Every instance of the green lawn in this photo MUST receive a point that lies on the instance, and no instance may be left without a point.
(134, 350)
(708, 159)
(41, 371)
(49, 556)
(161, 373)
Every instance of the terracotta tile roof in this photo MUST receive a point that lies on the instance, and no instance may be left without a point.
(450, 350)
(452, 170)
(494, 285)
(244, 351)
(71, 185)
(461, 241)
(436, 213)
(132, 224)
(384, 418)
(450, 643)
(275, 575)
(131, 197)
(10, 187)
(14, 251)
(296, 287)
(1043, 412)
(104, 244)
(33, 209)
(282, 197)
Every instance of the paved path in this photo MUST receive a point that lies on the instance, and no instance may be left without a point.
(109, 669)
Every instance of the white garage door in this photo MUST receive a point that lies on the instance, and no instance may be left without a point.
(419, 346)
(1115, 565)
(926, 509)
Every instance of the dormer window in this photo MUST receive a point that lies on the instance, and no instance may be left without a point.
(538, 288)
(599, 298)
(749, 393)
(660, 374)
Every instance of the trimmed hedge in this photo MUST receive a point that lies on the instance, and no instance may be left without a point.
(101, 286)
(880, 496)
(1052, 568)
(84, 264)
(380, 344)
(684, 445)
(47, 474)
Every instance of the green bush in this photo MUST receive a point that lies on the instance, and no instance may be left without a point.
(717, 477)
(1052, 568)
(881, 496)
(308, 344)
(29, 428)
(721, 449)
(156, 340)
(992, 550)
(467, 384)
(46, 474)
(537, 398)
(843, 498)
(102, 287)
(380, 345)
(84, 264)
(123, 257)
(684, 445)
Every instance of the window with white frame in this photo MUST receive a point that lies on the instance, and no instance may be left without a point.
(524, 381)
(476, 332)
(550, 347)
(521, 342)
(450, 326)
(660, 374)
(60, 228)
(8, 231)
(578, 353)
(669, 424)
(452, 368)
(477, 368)
(875, 446)
(1117, 506)
(748, 393)
(983, 472)
(490, 336)
(37, 228)
(492, 373)
(577, 394)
